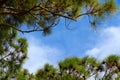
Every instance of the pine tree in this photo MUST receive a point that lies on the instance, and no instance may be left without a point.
(13, 52)
(74, 68)
(42, 15)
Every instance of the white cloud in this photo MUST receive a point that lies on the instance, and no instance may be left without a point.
(109, 43)
(40, 54)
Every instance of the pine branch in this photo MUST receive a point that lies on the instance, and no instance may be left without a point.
(23, 31)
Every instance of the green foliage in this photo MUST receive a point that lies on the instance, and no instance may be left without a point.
(70, 63)
(80, 69)
(42, 15)
(47, 73)
(13, 52)
(24, 75)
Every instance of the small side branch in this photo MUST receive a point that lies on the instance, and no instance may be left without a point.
(23, 31)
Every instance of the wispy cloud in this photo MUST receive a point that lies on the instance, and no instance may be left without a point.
(40, 54)
(109, 43)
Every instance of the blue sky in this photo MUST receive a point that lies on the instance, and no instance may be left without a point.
(80, 41)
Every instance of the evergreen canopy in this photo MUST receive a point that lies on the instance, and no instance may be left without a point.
(42, 15)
